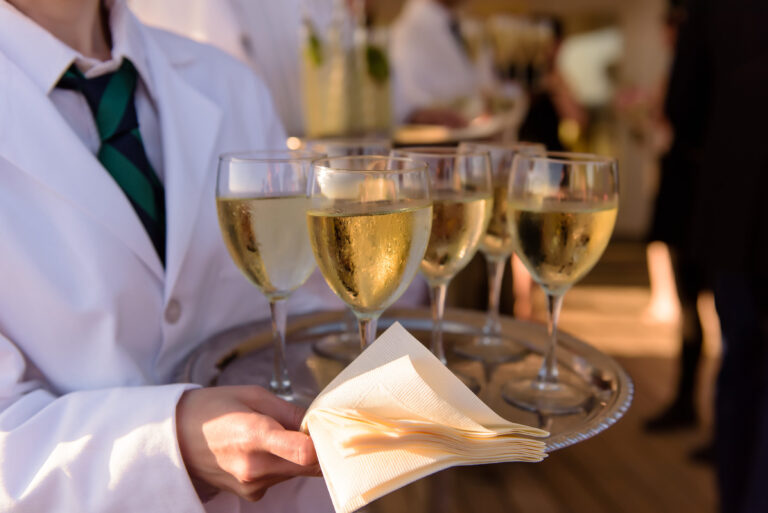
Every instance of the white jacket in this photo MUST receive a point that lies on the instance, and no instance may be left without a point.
(430, 69)
(91, 326)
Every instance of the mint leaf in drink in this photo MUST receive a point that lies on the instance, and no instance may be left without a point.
(378, 64)
(314, 46)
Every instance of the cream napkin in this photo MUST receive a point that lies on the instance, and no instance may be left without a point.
(396, 414)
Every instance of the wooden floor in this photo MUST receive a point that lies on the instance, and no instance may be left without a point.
(620, 470)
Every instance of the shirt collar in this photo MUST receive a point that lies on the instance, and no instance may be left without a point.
(45, 59)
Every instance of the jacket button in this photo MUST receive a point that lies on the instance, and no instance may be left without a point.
(172, 311)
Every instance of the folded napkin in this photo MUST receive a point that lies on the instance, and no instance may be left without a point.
(396, 414)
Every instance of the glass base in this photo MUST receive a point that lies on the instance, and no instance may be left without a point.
(259, 365)
(491, 349)
(560, 398)
(341, 347)
(297, 396)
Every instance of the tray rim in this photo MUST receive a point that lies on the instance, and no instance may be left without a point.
(243, 339)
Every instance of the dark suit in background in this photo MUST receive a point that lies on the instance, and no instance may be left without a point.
(718, 100)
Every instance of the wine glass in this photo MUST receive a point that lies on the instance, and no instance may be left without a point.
(496, 246)
(461, 195)
(369, 222)
(562, 211)
(261, 202)
(344, 346)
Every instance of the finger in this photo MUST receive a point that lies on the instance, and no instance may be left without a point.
(292, 446)
(269, 466)
(266, 435)
(288, 415)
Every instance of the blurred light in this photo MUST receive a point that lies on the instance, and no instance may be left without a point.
(569, 132)
(293, 143)
(584, 60)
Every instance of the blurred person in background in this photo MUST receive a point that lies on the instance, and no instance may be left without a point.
(718, 88)
(672, 224)
(552, 103)
(113, 271)
(653, 127)
(435, 79)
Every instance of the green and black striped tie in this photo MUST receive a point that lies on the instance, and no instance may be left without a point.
(111, 99)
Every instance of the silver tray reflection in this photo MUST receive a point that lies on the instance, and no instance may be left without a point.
(241, 355)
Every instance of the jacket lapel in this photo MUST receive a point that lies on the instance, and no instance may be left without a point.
(190, 126)
(37, 140)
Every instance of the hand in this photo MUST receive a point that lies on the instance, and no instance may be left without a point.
(242, 439)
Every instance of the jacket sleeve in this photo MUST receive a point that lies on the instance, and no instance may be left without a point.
(88, 451)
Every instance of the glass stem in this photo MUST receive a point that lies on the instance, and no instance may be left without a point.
(548, 372)
(280, 384)
(367, 331)
(437, 297)
(495, 276)
(350, 322)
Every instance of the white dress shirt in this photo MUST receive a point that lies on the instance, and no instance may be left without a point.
(430, 67)
(53, 58)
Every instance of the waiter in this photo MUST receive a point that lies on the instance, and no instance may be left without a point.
(113, 270)
(717, 99)
(432, 68)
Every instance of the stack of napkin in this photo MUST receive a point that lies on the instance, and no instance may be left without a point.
(396, 414)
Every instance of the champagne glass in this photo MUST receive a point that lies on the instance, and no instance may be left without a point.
(461, 195)
(345, 346)
(562, 210)
(261, 202)
(369, 222)
(496, 246)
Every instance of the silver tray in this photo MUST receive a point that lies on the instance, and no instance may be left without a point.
(242, 355)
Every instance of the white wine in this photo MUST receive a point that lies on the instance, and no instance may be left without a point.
(559, 242)
(496, 243)
(458, 223)
(268, 241)
(369, 255)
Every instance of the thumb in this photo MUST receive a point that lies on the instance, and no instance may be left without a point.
(293, 446)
